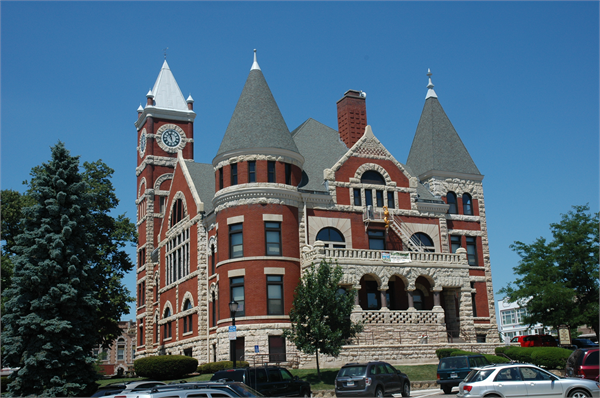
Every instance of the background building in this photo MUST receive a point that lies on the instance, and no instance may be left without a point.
(121, 354)
(273, 201)
(510, 322)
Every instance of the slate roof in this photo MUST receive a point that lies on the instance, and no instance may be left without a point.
(166, 91)
(436, 145)
(256, 121)
(321, 147)
(203, 178)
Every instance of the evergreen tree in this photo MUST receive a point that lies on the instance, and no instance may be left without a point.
(558, 280)
(50, 323)
(320, 314)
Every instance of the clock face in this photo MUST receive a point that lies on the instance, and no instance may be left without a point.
(143, 140)
(171, 138)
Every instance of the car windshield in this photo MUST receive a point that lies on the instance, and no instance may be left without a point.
(351, 371)
(454, 363)
(228, 375)
(478, 375)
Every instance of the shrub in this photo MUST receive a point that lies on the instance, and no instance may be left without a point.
(4, 383)
(551, 357)
(444, 352)
(165, 366)
(496, 359)
(457, 353)
(502, 350)
(212, 367)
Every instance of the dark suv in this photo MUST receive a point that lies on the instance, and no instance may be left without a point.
(271, 381)
(374, 379)
(451, 370)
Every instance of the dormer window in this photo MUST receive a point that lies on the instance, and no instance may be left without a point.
(379, 197)
(451, 200)
(467, 204)
(372, 177)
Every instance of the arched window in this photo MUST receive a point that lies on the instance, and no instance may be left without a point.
(467, 204)
(451, 199)
(168, 328)
(121, 349)
(187, 320)
(372, 177)
(177, 212)
(423, 240)
(332, 237)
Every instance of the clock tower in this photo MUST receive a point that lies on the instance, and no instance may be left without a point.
(164, 126)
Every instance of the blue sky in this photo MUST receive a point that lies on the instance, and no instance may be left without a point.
(518, 80)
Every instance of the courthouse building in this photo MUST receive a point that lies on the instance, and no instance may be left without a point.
(274, 201)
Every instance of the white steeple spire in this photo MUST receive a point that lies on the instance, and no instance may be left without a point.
(255, 64)
(430, 92)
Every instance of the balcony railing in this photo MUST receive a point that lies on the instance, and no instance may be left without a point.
(344, 255)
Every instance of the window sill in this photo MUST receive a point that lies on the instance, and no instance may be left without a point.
(188, 333)
(168, 339)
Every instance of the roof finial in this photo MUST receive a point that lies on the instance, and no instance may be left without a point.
(255, 64)
(430, 92)
(165, 52)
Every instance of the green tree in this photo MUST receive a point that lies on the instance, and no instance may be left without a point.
(558, 280)
(320, 314)
(111, 235)
(50, 319)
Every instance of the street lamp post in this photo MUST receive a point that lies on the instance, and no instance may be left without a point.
(233, 307)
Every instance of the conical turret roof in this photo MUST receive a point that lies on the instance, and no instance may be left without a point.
(256, 121)
(166, 91)
(437, 146)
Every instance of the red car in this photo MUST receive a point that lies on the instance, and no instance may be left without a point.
(583, 363)
(535, 340)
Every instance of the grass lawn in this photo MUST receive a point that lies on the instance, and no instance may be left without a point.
(414, 372)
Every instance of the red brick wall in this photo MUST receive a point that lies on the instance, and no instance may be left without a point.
(481, 299)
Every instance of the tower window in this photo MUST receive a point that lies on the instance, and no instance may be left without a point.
(212, 258)
(252, 171)
(236, 241)
(273, 238)
(221, 178)
(451, 200)
(271, 171)
(177, 212)
(237, 294)
(274, 294)
(234, 174)
(288, 174)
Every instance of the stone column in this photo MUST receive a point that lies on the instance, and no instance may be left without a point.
(384, 304)
(411, 302)
(436, 298)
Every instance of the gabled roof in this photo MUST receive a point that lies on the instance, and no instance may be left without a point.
(256, 121)
(203, 179)
(321, 147)
(166, 91)
(437, 146)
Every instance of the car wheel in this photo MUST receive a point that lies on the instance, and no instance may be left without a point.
(379, 392)
(447, 389)
(305, 393)
(579, 394)
(406, 389)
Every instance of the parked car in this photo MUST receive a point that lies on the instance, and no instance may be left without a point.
(272, 381)
(372, 379)
(583, 363)
(584, 343)
(126, 388)
(451, 370)
(523, 380)
(535, 340)
(188, 390)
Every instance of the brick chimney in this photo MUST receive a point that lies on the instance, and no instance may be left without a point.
(352, 116)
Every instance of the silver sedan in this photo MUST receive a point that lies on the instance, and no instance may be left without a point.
(523, 380)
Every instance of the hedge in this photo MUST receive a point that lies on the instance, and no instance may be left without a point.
(165, 366)
(212, 367)
(4, 383)
(545, 357)
(447, 352)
